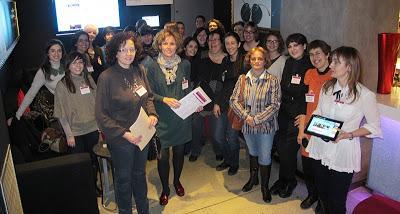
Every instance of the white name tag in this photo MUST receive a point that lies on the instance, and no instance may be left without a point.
(90, 68)
(185, 84)
(310, 97)
(85, 89)
(295, 80)
(141, 91)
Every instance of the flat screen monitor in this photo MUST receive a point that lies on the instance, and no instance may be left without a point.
(152, 21)
(9, 31)
(73, 15)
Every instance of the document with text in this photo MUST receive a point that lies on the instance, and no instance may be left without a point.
(142, 127)
(191, 102)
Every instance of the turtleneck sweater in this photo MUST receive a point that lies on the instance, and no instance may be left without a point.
(37, 83)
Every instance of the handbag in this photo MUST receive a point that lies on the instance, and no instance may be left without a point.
(236, 121)
(154, 148)
(54, 140)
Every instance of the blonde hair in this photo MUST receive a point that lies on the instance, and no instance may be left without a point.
(264, 53)
(91, 26)
(162, 35)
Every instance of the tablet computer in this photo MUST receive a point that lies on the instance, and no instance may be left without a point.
(323, 127)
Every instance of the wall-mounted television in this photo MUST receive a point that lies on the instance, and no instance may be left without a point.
(152, 21)
(9, 31)
(73, 15)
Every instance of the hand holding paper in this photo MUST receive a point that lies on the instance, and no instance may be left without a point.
(141, 126)
(191, 102)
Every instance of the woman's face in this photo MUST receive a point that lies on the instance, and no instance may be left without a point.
(339, 68)
(92, 34)
(168, 47)
(318, 58)
(272, 43)
(181, 29)
(214, 43)
(126, 54)
(257, 61)
(248, 34)
(109, 36)
(76, 67)
(231, 45)
(296, 51)
(239, 30)
(55, 53)
(212, 26)
(82, 44)
(202, 38)
(191, 48)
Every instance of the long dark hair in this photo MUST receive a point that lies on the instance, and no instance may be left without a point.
(73, 56)
(351, 57)
(46, 65)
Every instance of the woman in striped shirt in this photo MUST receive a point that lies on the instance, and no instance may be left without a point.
(258, 107)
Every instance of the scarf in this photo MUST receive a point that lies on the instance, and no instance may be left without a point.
(169, 67)
(56, 69)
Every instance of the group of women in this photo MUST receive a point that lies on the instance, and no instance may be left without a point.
(275, 96)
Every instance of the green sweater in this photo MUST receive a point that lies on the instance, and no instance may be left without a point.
(171, 129)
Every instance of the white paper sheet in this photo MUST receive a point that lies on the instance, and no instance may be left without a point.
(191, 102)
(141, 127)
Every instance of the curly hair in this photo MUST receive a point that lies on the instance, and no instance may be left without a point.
(162, 35)
(264, 53)
(75, 38)
(278, 35)
(117, 42)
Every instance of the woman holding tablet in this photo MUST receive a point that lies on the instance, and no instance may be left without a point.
(345, 99)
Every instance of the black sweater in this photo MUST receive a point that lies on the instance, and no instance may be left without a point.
(293, 95)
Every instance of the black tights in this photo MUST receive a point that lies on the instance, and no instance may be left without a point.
(163, 165)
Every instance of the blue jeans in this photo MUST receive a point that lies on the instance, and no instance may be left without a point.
(130, 176)
(226, 139)
(260, 145)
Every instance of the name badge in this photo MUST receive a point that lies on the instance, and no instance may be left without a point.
(310, 97)
(296, 79)
(85, 89)
(185, 84)
(140, 90)
(90, 68)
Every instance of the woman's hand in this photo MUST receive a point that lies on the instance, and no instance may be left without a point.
(297, 120)
(342, 135)
(217, 110)
(71, 141)
(250, 121)
(300, 137)
(152, 121)
(9, 121)
(171, 102)
(131, 138)
(199, 109)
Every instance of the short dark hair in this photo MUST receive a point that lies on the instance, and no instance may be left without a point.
(108, 29)
(117, 42)
(144, 30)
(219, 32)
(255, 27)
(199, 30)
(296, 37)
(188, 40)
(180, 23)
(237, 23)
(201, 17)
(231, 34)
(278, 35)
(320, 44)
(130, 28)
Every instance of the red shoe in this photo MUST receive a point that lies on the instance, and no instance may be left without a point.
(180, 191)
(163, 199)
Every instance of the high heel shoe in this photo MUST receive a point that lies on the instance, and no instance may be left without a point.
(180, 191)
(164, 199)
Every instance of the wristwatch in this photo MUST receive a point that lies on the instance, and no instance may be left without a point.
(351, 136)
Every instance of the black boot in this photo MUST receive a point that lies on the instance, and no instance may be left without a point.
(253, 180)
(265, 172)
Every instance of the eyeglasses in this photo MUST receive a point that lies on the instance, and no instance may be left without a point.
(248, 32)
(272, 41)
(125, 50)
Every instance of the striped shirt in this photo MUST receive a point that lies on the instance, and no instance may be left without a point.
(261, 101)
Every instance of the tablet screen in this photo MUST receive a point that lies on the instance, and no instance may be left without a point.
(323, 127)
